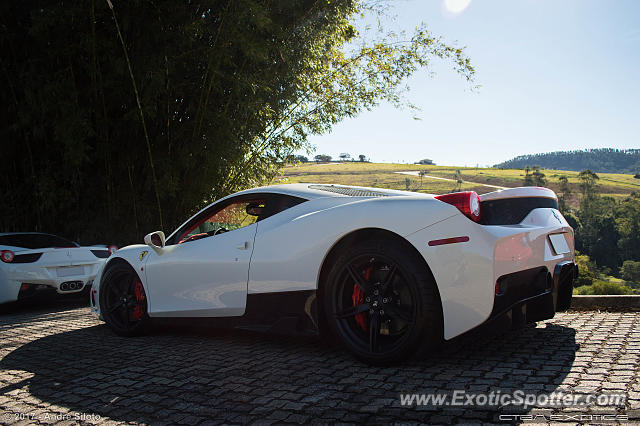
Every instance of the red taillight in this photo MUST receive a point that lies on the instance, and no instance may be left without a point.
(467, 202)
(112, 249)
(6, 256)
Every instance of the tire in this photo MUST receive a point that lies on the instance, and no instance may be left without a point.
(382, 285)
(123, 302)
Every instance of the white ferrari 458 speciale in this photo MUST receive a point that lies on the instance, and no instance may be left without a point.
(390, 273)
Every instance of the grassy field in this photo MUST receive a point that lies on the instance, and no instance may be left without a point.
(385, 175)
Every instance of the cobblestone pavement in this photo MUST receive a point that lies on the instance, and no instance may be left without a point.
(64, 366)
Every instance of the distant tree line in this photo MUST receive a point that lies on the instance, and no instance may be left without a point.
(604, 160)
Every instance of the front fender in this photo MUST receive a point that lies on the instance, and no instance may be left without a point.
(135, 256)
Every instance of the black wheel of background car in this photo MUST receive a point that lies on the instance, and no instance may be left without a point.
(381, 302)
(123, 302)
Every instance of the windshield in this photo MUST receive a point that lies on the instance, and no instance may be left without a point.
(35, 241)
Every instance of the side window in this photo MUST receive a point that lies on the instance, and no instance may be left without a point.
(233, 216)
(278, 203)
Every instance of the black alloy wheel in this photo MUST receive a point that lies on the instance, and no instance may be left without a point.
(381, 302)
(123, 301)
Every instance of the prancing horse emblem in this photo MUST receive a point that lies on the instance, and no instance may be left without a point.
(143, 254)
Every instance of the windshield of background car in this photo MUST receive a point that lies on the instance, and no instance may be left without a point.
(35, 241)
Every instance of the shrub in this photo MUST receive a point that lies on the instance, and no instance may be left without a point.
(586, 271)
(603, 287)
(630, 270)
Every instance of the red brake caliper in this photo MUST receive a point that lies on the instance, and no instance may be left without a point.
(358, 297)
(138, 312)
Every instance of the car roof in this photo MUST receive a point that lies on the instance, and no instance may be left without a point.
(320, 190)
(30, 233)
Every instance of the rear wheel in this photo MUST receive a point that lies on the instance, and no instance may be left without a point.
(382, 303)
(123, 301)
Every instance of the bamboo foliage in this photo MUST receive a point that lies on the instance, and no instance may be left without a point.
(121, 120)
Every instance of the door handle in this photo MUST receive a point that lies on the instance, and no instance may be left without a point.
(243, 246)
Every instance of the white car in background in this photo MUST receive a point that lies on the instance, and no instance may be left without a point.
(33, 262)
(388, 272)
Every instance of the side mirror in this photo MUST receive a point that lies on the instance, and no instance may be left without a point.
(255, 209)
(155, 240)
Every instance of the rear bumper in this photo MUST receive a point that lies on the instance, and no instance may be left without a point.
(537, 293)
(21, 280)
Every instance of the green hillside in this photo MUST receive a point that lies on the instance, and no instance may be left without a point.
(481, 180)
(603, 160)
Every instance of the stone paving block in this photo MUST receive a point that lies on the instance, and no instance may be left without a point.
(183, 376)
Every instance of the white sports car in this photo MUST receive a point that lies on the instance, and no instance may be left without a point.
(33, 262)
(387, 272)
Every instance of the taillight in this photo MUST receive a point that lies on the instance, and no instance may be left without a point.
(467, 202)
(112, 249)
(6, 256)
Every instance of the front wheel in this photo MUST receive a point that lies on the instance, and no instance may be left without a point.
(123, 301)
(382, 303)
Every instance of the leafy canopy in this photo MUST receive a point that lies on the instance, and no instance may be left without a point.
(122, 117)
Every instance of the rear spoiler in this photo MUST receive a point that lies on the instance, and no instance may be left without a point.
(521, 192)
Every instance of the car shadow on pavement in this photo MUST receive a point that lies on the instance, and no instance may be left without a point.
(51, 302)
(188, 375)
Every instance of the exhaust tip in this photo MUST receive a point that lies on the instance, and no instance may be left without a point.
(71, 285)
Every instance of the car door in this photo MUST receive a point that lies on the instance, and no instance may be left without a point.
(203, 270)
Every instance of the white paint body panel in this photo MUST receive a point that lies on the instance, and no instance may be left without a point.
(291, 247)
(202, 278)
(211, 277)
(466, 273)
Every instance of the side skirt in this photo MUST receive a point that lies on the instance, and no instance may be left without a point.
(289, 312)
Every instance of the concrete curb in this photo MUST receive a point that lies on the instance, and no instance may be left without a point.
(625, 303)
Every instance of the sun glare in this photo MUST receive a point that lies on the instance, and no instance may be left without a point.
(456, 6)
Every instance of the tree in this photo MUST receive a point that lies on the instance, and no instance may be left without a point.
(587, 271)
(322, 158)
(407, 184)
(528, 179)
(630, 271)
(538, 177)
(588, 184)
(300, 159)
(362, 158)
(422, 174)
(344, 156)
(565, 194)
(142, 112)
(627, 215)
(458, 178)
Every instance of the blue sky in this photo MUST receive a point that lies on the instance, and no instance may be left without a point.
(555, 75)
